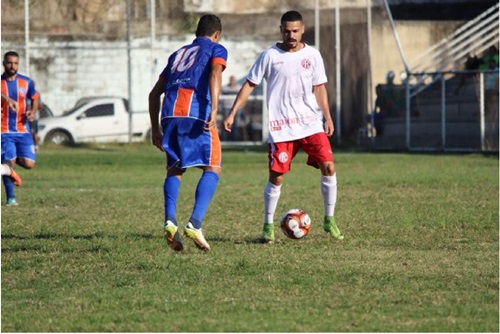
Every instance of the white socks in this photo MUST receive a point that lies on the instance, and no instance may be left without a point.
(329, 192)
(271, 197)
(5, 169)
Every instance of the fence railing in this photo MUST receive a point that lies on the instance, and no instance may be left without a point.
(450, 53)
(457, 113)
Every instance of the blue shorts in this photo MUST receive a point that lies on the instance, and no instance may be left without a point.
(19, 145)
(187, 144)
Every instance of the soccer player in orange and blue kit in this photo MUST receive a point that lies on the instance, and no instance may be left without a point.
(191, 84)
(17, 142)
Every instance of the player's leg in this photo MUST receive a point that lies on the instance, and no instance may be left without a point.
(9, 186)
(9, 157)
(7, 170)
(329, 192)
(21, 150)
(170, 193)
(171, 184)
(206, 152)
(280, 156)
(25, 151)
(272, 193)
(205, 191)
(320, 155)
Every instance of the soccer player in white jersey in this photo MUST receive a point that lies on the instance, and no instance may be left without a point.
(297, 102)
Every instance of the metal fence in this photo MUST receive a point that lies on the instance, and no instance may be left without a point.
(459, 112)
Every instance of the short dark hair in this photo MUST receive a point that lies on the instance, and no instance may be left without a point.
(10, 54)
(291, 16)
(208, 25)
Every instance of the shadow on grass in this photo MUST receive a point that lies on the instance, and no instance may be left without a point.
(104, 147)
(97, 235)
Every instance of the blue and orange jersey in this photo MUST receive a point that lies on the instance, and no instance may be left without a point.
(21, 89)
(187, 77)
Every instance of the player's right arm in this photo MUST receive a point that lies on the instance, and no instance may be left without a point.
(239, 103)
(154, 109)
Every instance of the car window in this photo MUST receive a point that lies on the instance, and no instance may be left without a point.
(101, 110)
(72, 110)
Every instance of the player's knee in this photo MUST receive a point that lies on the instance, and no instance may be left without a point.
(214, 169)
(26, 164)
(276, 179)
(328, 169)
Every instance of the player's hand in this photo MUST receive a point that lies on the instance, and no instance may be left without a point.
(157, 140)
(210, 123)
(228, 122)
(13, 105)
(329, 128)
(30, 115)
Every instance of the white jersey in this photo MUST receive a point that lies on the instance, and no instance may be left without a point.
(293, 110)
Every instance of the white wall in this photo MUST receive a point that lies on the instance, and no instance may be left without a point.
(67, 71)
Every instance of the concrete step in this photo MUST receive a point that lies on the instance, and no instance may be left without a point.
(459, 135)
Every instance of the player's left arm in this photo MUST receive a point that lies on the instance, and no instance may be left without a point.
(34, 96)
(31, 114)
(215, 89)
(321, 95)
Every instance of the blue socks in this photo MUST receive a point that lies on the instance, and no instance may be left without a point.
(9, 186)
(204, 193)
(203, 196)
(171, 192)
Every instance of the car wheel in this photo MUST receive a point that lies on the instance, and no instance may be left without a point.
(59, 138)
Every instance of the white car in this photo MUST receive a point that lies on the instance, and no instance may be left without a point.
(95, 119)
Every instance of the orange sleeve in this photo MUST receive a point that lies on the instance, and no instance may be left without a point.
(219, 61)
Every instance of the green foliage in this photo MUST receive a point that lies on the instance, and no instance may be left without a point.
(84, 250)
(188, 24)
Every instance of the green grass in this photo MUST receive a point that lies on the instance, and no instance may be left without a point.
(84, 250)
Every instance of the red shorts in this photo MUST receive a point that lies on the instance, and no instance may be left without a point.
(317, 147)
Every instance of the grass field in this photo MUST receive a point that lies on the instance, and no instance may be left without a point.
(84, 251)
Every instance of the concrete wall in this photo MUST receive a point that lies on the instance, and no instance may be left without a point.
(65, 72)
(415, 37)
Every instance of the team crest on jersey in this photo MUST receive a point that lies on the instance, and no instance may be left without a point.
(306, 63)
(283, 157)
(22, 92)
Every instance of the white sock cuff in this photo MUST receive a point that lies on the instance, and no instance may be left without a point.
(329, 180)
(5, 170)
(272, 189)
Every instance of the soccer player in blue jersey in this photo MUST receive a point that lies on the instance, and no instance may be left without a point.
(191, 85)
(19, 106)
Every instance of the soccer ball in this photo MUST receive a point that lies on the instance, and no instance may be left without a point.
(295, 223)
